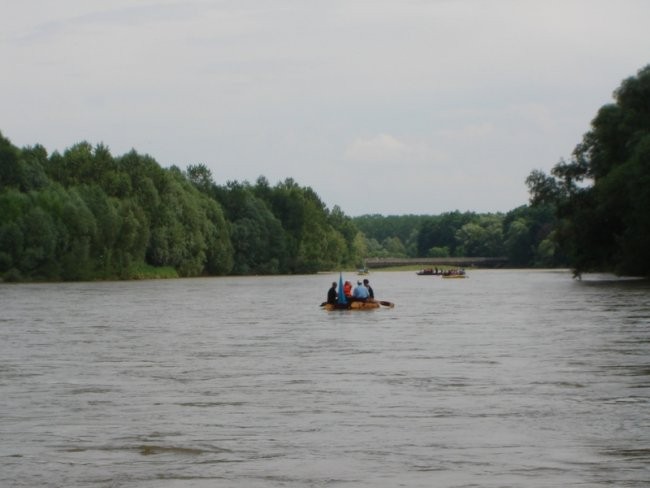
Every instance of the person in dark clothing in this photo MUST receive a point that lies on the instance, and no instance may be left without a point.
(332, 296)
(371, 293)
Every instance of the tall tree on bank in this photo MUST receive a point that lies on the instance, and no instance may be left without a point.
(602, 195)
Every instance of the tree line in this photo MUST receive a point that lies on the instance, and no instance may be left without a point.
(525, 236)
(86, 214)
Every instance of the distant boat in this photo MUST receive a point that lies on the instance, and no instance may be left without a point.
(363, 271)
(450, 273)
(454, 273)
(429, 272)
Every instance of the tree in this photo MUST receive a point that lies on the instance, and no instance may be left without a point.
(107, 224)
(601, 195)
(394, 246)
(74, 255)
(13, 206)
(481, 237)
(441, 231)
(383, 229)
(9, 164)
(353, 251)
(518, 243)
(201, 177)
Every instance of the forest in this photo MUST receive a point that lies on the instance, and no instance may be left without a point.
(86, 214)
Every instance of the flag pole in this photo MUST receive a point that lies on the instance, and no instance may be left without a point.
(342, 300)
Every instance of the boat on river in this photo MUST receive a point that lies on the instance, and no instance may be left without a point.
(345, 301)
(454, 273)
(357, 305)
(429, 272)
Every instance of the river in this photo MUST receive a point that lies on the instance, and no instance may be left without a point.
(505, 379)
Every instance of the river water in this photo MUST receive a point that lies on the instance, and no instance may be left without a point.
(504, 379)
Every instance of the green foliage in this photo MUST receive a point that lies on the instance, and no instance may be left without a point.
(22, 170)
(41, 234)
(314, 238)
(395, 235)
(441, 231)
(85, 215)
(601, 196)
(518, 236)
(9, 164)
(438, 252)
(257, 237)
(394, 246)
(528, 237)
(103, 243)
(482, 236)
(281, 229)
(201, 177)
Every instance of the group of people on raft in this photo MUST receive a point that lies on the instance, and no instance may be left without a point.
(363, 292)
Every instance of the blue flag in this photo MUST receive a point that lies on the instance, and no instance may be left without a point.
(342, 298)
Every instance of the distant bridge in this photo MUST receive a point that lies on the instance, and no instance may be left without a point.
(490, 262)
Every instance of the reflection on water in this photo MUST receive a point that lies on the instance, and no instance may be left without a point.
(508, 378)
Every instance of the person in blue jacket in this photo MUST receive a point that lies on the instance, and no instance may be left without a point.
(360, 292)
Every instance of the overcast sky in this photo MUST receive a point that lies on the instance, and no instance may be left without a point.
(380, 106)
